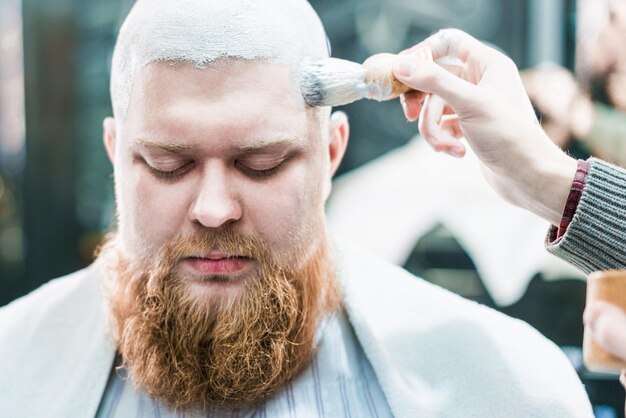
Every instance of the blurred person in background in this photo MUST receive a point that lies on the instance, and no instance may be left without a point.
(593, 113)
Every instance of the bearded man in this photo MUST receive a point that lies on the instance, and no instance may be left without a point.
(220, 292)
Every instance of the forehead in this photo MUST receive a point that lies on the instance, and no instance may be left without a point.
(233, 98)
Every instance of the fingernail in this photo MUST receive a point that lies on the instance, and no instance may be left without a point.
(405, 66)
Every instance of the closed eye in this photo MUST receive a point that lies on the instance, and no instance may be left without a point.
(259, 173)
(171, 174)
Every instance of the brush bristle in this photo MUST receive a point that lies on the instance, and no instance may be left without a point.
(333, 82)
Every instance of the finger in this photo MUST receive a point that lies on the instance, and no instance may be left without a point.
(439, 139)
(607, 323)
(454, 43)
(449, 111)
(452, 47)
(412, 104)
(425, 125)
(412, 49)
(430, 77)
(450, 123)
(419, 48)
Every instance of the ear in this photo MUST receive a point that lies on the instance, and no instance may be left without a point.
(338, 133)
(108, 136)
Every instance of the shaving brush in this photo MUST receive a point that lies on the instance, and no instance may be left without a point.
(335, 82)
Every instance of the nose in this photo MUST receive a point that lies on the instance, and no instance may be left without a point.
(216, 203)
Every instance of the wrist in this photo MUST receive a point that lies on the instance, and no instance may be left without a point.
(538, 181)
(550, 184)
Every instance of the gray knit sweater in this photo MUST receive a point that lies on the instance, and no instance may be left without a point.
(596, 237)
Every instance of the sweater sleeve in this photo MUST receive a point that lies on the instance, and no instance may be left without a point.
(596, 237)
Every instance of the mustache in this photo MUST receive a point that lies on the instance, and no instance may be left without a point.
(225, 241)
(200, 245)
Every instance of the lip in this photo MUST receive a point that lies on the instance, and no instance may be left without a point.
(218, 255)
(217, 263)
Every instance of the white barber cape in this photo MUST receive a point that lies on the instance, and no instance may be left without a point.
(434, 353)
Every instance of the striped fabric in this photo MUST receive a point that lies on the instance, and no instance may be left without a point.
(339, 382)
(594, 240)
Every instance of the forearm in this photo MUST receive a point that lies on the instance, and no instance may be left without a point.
(595, 239)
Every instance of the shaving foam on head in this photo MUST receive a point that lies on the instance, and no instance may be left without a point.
(202, 31)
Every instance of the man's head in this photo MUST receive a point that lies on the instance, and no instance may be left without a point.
(221, 175)
(200, 32)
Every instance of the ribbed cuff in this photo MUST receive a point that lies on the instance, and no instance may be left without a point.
(596, 237)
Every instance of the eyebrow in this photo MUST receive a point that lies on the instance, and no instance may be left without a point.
(258, 145)
(268, 144)
(173, 148)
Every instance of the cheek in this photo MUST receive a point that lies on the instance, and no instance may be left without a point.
(289, 211)
(151, 212)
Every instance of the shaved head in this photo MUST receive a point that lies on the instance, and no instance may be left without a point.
(201, 31)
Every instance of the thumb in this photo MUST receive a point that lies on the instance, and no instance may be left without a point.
(607, 323)
(430, 77)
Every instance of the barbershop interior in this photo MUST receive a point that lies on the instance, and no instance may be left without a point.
(427, 212)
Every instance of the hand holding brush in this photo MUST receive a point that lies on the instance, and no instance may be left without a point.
(463, 89)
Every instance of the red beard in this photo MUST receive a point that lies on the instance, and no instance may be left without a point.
(190, 352)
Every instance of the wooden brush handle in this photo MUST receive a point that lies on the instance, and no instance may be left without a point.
(380, 71)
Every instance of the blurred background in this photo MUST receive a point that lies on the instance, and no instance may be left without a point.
(56, 192)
